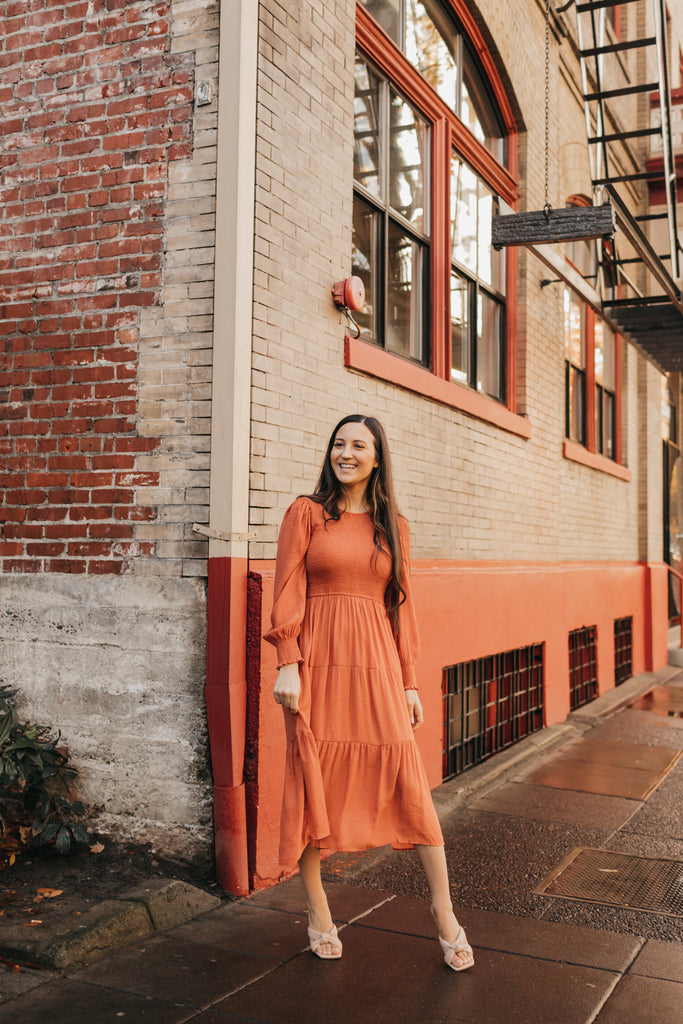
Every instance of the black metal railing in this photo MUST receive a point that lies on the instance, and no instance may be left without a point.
(623, 649)
(583, 666)
(489, 704)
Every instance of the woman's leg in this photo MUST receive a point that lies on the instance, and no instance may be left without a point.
(319, 916)
(433, 860)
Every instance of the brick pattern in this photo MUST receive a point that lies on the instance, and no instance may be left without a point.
(96, 107)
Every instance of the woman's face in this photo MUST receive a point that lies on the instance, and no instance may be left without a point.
(353, 455)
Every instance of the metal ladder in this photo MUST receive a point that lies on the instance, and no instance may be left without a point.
(593, 48)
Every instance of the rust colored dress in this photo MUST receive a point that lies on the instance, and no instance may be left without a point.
(354, 778)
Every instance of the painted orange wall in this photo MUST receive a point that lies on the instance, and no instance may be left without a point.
(469, 610)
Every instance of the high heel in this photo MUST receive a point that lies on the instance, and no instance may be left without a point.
(451, 949)
(318, 939)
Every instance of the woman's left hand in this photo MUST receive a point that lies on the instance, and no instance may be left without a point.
(414, 708)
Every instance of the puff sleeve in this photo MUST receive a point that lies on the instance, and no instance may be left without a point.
(289, 599)
(408, 641)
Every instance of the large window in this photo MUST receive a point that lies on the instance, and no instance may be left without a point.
(477, 285)
(432, 151)
(591, 350)
(391, 215)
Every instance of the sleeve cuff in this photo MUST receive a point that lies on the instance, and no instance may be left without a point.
(409, 677)
(288, 652)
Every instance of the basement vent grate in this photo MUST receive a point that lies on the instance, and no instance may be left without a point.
(618, 880)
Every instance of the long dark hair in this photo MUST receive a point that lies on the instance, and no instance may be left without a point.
(380, 496)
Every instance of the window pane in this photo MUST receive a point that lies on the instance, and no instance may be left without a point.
(366, 148)
(405, 299)
(464, 202)
(407, 164)
(365, 264)
(386, 14)
(489, 344)
(575, 404)
(599, 343)
(608, 414)
(431, 43)
(460, 349)
(477, 111)
(490, 263)
(574, 341)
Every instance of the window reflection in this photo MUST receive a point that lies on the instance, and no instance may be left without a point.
(387, 14)
(408, 133)
(432, 42)
(431, 48)
(405, 294)
(366, 150)
(460, 351)
(489, 377)
(365, 263)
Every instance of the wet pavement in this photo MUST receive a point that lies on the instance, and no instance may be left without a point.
(613, 782)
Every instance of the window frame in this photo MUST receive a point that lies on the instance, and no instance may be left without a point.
(448, 134)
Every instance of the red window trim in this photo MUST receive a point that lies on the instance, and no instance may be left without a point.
(448, 133)
(577, 453)
(360, 355)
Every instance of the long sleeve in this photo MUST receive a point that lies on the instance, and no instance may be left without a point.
(408, 638)
(289, 600)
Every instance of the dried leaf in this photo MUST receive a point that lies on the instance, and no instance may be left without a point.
(96, 848)
(15, 968)
(49, 894)
(12, 859)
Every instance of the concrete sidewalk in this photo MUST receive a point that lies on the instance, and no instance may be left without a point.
(539, 959)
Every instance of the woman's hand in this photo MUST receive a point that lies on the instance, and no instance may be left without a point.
(287, 689)
(414, 708)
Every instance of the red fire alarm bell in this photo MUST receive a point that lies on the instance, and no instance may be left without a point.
(349, 293)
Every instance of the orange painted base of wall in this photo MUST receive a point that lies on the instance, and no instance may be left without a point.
(470, 610)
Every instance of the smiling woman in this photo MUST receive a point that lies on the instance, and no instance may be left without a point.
(344, 626)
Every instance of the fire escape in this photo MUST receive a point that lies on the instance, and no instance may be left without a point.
(639, 273)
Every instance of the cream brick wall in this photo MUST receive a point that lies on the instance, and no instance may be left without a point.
(176, 337)
(471, 491)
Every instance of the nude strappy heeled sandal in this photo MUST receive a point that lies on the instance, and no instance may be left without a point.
(318, 939)
(459, 945)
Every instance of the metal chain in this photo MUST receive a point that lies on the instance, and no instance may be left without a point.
(546, 205)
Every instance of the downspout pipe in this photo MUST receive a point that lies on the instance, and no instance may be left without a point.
(230, 436)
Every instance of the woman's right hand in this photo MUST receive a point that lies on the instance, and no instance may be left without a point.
(287, 689)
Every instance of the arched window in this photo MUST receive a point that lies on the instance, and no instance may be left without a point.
(435, 157)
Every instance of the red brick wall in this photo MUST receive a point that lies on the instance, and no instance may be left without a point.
(94, 107)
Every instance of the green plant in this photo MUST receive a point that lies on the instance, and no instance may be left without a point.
(36, 783)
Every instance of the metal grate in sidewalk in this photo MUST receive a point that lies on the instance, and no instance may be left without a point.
(653, 884)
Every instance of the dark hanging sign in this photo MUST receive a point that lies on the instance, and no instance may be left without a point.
(571, 222)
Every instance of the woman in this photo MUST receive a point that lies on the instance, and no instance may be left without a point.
(344, 626)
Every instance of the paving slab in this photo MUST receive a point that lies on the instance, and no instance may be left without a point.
(592, 777)
(16, 983)
(346, 901)
(188, 973)
(244, 927)
(643, 1001)
(660, 960)
(543, 940)
(387, 977)
(525, 800)
(66, 1001)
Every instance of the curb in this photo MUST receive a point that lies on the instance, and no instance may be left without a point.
(152, 907)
